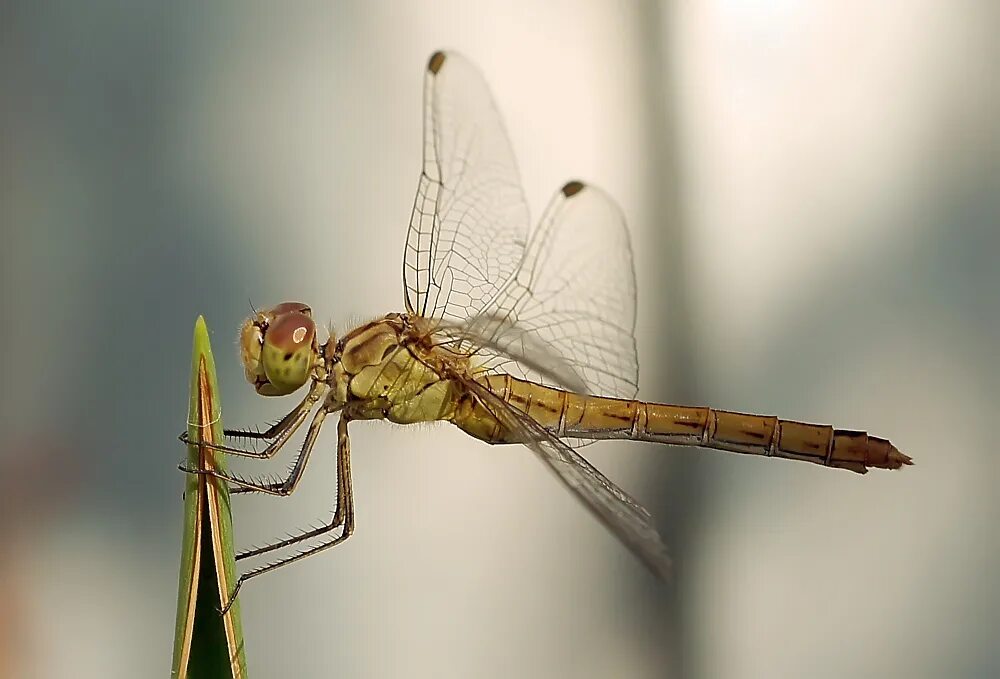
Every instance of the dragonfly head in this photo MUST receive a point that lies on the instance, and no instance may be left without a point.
(278, 348)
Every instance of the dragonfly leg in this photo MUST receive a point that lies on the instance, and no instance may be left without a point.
(284, 487)
(244, 490)
(345, 497)
(343, 516)
(280, 431)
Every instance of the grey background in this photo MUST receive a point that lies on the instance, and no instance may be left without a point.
(812, 195)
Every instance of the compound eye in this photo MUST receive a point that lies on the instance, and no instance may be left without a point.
(287, 307)
(251, 340)
(288, 350)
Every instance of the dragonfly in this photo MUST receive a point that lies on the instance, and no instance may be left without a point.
(516, 336)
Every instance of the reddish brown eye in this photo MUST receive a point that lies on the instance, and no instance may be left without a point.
(287, 307)
(291, 330)
(289, 350)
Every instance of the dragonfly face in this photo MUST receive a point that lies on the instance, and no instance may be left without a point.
(278, 348)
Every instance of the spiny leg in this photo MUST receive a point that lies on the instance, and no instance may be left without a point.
(344, 515)
(290, 423)
(344, 496)
(286, 486)
(236, 484)
(281, 431)
(274, 430)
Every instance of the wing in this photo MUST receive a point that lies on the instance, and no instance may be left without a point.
(558, 308)
(573, 295)
(623, 516)
(470, 221)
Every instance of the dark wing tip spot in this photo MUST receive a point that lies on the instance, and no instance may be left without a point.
(436, 62)
(572, 188)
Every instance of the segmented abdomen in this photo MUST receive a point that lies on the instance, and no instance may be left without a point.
(594, 417)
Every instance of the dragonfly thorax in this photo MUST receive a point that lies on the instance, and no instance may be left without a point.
(384, 370)
(278, 348)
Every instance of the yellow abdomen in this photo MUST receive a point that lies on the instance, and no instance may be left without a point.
(566, 414)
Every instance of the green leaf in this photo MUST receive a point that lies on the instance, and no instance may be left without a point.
(207, 644)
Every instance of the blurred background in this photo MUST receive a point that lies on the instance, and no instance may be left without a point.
(812, 192)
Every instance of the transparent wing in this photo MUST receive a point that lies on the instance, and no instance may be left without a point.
(571, 304)
(623, 516)
(558, 308)
(470, 222)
